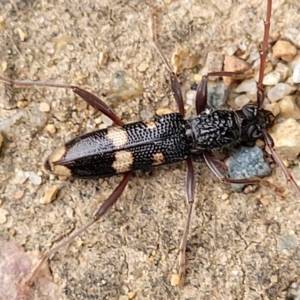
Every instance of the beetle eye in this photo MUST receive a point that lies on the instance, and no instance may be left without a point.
(254, 132)
(270, 120)
(249, 111)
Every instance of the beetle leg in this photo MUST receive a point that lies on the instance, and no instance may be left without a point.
(269, 141)
(85, 95)
(263, 55)
(104, 208)
(217, 168)
(201, 93)
(175, 86)
(190, 192)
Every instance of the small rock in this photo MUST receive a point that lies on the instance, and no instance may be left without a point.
(256, 66)
(131, 295)
(123, 87)
(3, 214)
(279, 91)
(34, 178)
(22, 103)
(182, 59)
(284, 50)
(274, 278)
(175, 280)
(19, 195)
(20, 176)
(7, 123)
(296, 73)
(197, 78)
(273, 108)
(224, 196)
(214, 63)
(234, 64)
(191, 97)
(286, 136)
(292, 34)
(143, 67)
(44, 107)
(288, 108)
(287, 242)
(50, 195)
(284, 71)
(241, 100)
(22, 35)
(51, 128)
(106, 120)
(230, 50)
(247, 86)
(217, 95)
(146, 114)
(254, 56)
(103, 58)
(272, 78)
(163, 111)
(245, 163)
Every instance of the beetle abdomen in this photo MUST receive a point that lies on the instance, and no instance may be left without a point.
(120, 149)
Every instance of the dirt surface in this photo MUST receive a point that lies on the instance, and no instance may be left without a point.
(241, 246)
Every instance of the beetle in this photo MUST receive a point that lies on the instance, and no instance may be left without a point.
(119, 150)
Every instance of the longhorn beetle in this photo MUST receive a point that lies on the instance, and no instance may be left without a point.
(165, 139)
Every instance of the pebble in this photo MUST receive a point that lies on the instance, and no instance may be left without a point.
(272, 78)
(214, 63)
(7, 123)
(20, 176)
(279, 91)
(123, 87)
(175, 280)
(273, 108)
(182, 59)
(34, 178)
(143, 67)
(247, 86)
(191, 97)
(284, 50)
(131, 295)
(146, 114)
(241, 100)
(106, 120)
(50, 195)
(3, 214)
(230, 50)
(286, 136)
(217, 95)
(296, 73)
(234, 64)
(164, 111)
(287, 242)
(288, 108)
(22, 103)
(292, 34)
(51, 128)
(44, 107)
(247, 162)
(254, 56)
(284, 71)
(22, 35)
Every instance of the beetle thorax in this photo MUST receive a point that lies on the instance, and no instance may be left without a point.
(213, 130)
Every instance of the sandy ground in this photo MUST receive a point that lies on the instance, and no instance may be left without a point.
(244, 246)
